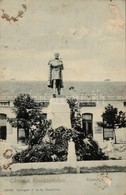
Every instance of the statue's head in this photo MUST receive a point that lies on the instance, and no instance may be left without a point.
(56, 55)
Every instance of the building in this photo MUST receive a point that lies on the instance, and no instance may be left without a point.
(92, 106)
(91, 111)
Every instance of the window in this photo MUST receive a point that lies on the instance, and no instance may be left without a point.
(3, 126)
(108, 133)
(87, 121)
(124, 103)
(20, 135)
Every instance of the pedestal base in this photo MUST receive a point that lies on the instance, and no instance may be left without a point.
(71, 158)
(59, 113)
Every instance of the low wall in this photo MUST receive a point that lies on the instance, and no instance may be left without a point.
(19, 169)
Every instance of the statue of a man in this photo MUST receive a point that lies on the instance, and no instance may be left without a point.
(55, 80)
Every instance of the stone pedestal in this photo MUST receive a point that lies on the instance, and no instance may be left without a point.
(59, 112)
(71, 158)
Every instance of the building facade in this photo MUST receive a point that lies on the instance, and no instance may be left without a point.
(91, 112)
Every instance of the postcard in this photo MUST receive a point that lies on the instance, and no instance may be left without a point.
(62, 97)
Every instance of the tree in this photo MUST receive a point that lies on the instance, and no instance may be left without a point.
(28, 113)
(46, 144)
(53, 146)
(86, 147)
(75, 116)
(112, 118)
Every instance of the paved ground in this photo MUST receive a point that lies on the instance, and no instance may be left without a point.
(70, 184)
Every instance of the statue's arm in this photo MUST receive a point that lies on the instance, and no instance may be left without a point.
(62, 67)
(50, 64)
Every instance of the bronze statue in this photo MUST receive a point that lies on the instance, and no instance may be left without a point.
(55, 80)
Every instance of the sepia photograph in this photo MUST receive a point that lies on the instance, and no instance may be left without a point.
(62, 97)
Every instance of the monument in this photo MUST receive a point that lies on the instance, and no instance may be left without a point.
(58, 109)
(55, 80)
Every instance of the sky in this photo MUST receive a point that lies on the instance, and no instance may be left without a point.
(88, 34)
